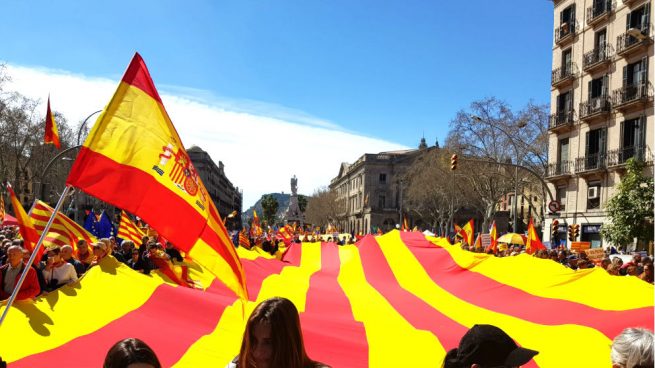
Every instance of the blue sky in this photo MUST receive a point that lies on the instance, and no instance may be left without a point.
(321, 82)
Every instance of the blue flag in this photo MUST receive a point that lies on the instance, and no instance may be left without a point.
(104, 227)
(90, 223)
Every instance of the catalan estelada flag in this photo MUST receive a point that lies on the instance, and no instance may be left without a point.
(134, 159)
(533, 243)
(64, 231)
(127, 230)
(27, 231)
(51, 132)
(354, 303)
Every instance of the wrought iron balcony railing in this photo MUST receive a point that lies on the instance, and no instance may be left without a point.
(598, 10)
(595, 106)
(597, 56)
(631, 93)
(561, 119)
(565, 30)
(560, 168)
(591, 162)
(632, 39)
(617, 157)
(564, 73)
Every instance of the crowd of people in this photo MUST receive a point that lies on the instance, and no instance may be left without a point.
(63, 265)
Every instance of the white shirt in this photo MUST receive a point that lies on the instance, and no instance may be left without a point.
(64, 274)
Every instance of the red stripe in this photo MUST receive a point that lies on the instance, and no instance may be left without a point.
(418, 313)
(158, 322)
(331, 334)
(490, 294)
(137, 75)
(106, 179)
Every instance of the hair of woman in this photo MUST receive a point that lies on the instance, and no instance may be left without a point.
(130, 351)
(633, 348)
(287, 341)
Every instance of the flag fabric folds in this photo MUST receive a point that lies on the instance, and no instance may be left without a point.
(63, 230)
(27, 231)
(493, 234)
(354, 303)
(243, 239)
(134, 159)
(127, 230)
(533, 243)
(51, 131)
(2, 208)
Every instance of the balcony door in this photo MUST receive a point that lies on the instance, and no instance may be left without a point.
(562, 156)
(595, 148)
(633, 138)
(639, 18)
(597, 90)
(566, 62)
(600, 41)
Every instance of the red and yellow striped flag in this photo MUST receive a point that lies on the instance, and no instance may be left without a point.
(493, 234)
(27, 230)
(134, 159)
(2, 208)
(51, 131)
(63, 230)
(244, 241)
(127, 230)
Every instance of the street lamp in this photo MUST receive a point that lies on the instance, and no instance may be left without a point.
(521, 124)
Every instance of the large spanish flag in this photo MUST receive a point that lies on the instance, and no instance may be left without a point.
(51, 131)
(397, 300)
(134, 159)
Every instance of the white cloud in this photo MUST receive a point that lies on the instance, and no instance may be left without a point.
(262, 145)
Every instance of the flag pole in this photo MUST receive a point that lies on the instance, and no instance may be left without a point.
(34, 253)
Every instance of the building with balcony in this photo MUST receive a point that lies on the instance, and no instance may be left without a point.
(601, 113)
(226, 196)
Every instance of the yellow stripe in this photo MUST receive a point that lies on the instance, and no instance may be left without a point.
(553, 342)
(223, 344)
(72, 311)
(545, 278)
(384, 325)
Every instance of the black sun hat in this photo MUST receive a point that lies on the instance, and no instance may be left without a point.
(490, 346)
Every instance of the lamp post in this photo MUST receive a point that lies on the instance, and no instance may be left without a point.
(79, 131)
(520, 125)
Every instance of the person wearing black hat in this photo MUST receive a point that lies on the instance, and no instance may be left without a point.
(486, 346)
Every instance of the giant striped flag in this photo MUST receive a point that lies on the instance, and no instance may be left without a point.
(63, 230)
(2, 208)
(134, 159)
(397, 300)
(127, 230)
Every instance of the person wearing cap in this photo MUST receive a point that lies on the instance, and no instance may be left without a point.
(487, 346)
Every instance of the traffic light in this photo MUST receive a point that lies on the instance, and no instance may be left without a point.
(571, 233)
(576, 231)
(453, 162)
(555, 230)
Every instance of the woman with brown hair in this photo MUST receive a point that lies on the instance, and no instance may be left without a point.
(273, 338)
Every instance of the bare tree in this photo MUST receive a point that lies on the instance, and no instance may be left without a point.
(322, 207)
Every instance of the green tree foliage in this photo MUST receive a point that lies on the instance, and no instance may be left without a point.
(630, 210)
(269, 207)
(302, 202)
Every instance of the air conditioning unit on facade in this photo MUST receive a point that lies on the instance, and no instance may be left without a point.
(592, 192)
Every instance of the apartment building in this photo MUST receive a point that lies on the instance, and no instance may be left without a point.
(226, 197)
(601, 107)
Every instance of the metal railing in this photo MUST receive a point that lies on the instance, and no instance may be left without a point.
(565, 29)
(561, 118)
(591, 162)
(594, 106)
(631, 93)
(619, 156)
(559, 168)
(626, 41)
(597, 10)
(598, 55)
(570, 70)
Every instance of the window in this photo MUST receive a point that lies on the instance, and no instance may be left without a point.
(593, 196)
(600, 40)
(560, 196)
(563, 156)
(636, 73)
(639, 18)
(565, 102)
(598, 87)
(383, 178)
(382, 199)
(566, 62)
(567, 20)
(595, 150)
(633, 138)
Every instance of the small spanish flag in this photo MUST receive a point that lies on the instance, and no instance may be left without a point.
(51, 132)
